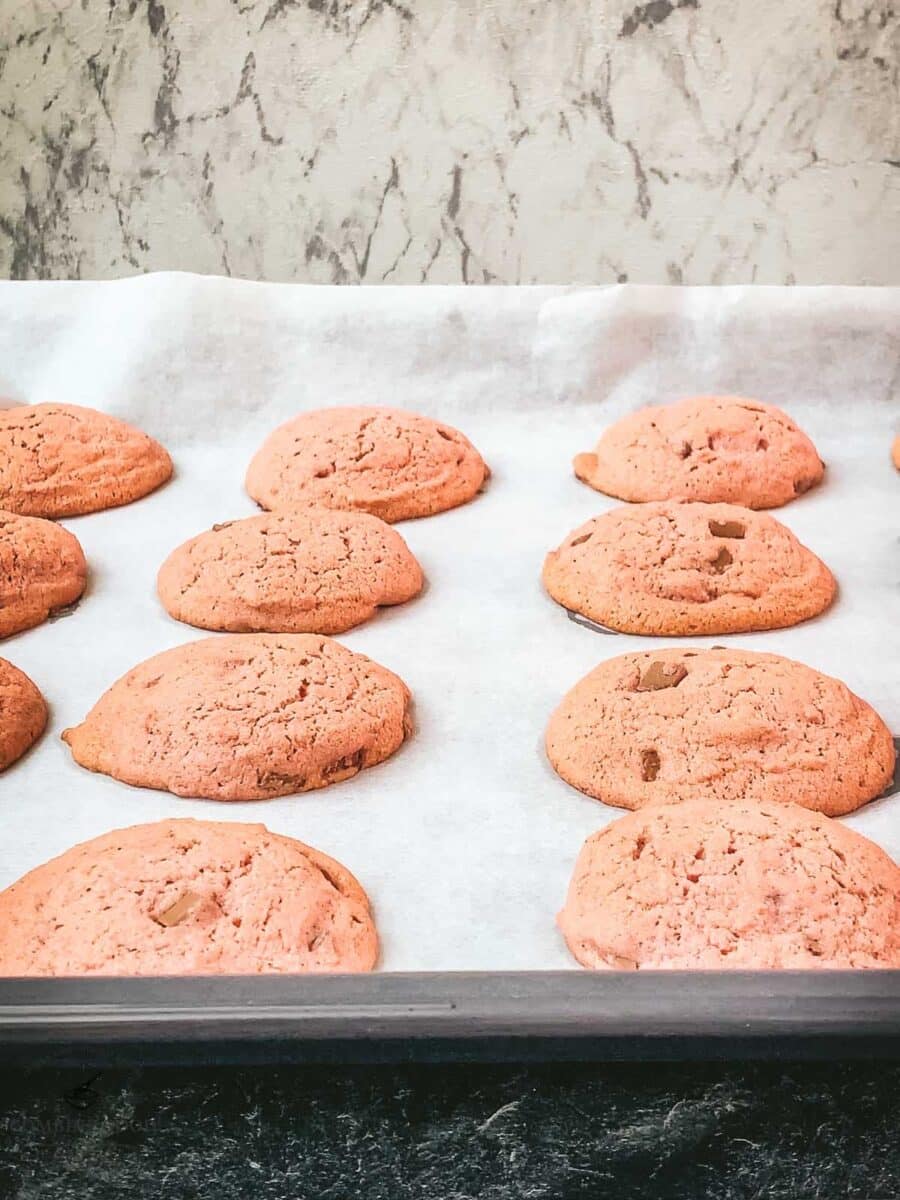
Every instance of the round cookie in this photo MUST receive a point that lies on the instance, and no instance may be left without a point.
(61, 460)
(383, 461)
(736, 886)
(245, 717)
(23, 713)
(710, 448)
(42, 569)
(183, 897)
(667, 726)
(678, 568)
(309, 570)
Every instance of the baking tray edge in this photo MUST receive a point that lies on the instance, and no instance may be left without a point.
(445, 1016)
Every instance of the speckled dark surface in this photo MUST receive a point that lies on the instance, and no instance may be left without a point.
(454, 1132)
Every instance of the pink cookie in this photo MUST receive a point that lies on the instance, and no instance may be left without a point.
(711, 448)
(384, 461)
(675, 567)
(666, 726)
(42, 569)
(23, 713)
(183, 897)
(309, 570)
(59, 460)
(245, 717)
(738, 886)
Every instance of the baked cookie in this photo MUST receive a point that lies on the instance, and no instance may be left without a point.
(667, 726)
(42, 569)
(23, 713)
(679, 568)
(60, 460)
(310, 570)
(383, 461)
(712, 448)
(737, 885)
(895, 452)
(186, 897)
(246, 717)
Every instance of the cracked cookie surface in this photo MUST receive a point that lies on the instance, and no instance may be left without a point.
(667, 726)
(393, 464)
(739, 886)
(185, 897)
(42, 568)
(245, 717)
(308, 570)
(709, 448)
(62, 460)
(679, 568)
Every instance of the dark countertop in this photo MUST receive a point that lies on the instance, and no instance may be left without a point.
(544, 1132)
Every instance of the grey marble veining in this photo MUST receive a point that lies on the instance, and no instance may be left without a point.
(696, 141)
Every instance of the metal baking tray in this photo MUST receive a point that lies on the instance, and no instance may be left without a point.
(465, 840)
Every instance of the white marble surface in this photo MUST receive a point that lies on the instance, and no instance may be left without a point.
(696, 141)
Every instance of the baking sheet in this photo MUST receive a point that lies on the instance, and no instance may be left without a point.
(466, 838)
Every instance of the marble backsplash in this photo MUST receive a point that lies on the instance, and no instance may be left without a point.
(488, 141)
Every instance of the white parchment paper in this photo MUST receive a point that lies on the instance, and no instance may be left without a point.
(465, 839)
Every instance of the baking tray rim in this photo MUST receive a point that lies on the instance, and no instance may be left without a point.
(455, 1008)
